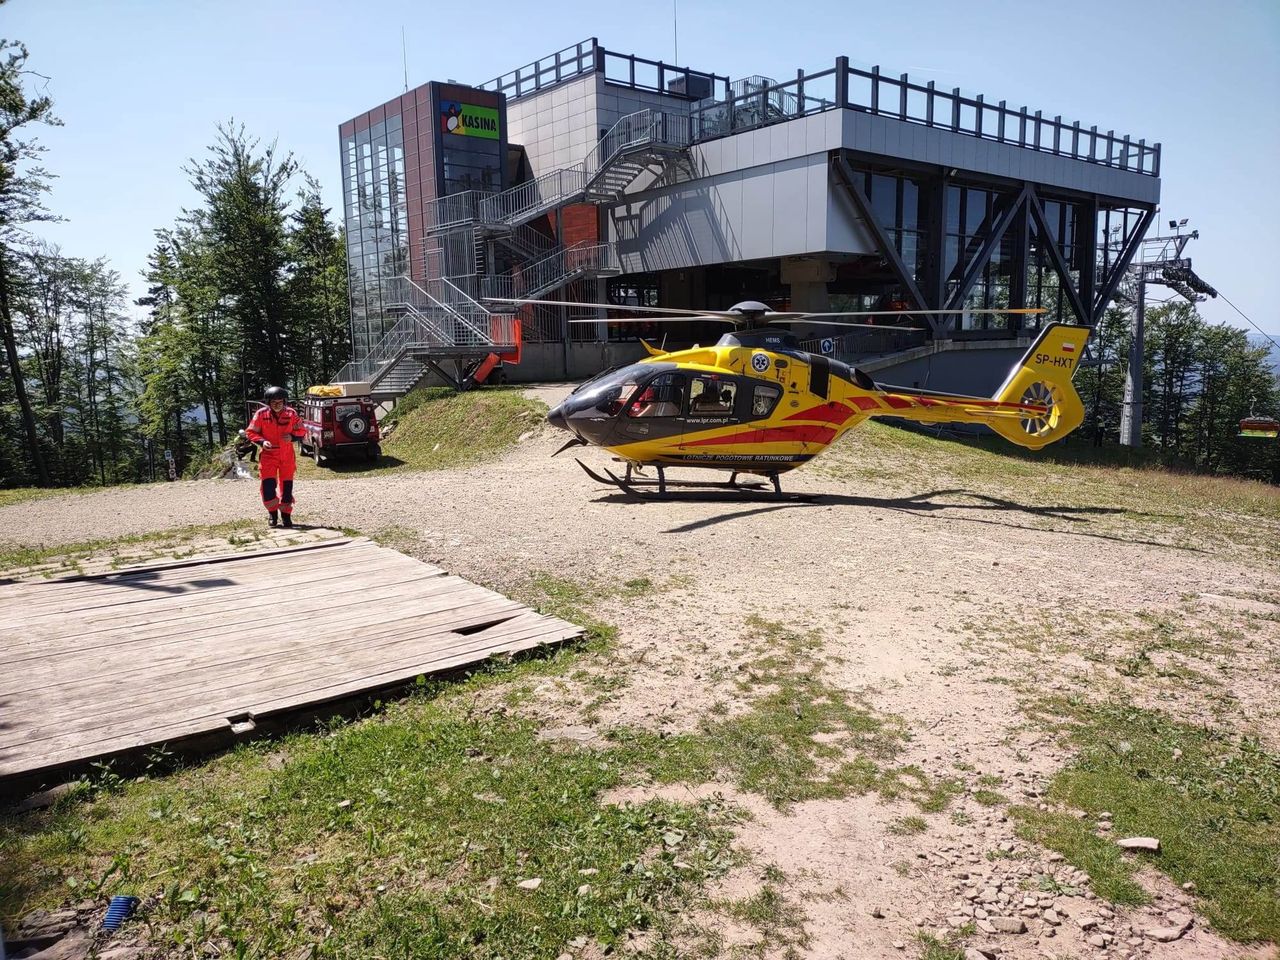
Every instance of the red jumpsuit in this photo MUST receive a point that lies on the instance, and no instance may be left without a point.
(277, 461)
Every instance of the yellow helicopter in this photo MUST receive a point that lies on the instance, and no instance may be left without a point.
(756, 403)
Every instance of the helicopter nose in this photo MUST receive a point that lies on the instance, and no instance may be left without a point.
(556, 417)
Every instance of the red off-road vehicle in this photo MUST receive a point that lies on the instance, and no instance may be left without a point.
(339, 419)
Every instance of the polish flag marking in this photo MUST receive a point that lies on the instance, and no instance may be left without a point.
(1068, 347)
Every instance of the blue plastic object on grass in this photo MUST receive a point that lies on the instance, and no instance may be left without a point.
(118, 912)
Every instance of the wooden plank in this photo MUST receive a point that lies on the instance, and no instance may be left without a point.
(217, 684)
(405, 658)
(66, 594)
(115, 662)
(53, 753)
(430, 597)
(259, 664)
(177, 570)
(100, 597)
(230, 606)
(110, 600)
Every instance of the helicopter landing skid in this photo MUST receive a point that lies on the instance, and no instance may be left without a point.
(661, 488)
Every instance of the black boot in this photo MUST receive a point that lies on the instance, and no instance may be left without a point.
(273, 519)
(286, 519)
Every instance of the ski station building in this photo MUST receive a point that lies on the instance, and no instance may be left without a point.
(594, 176)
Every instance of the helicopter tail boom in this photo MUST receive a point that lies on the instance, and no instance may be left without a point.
(1035, 406)
(1042, 378)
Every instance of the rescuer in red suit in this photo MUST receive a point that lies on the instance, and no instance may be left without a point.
(273, 429)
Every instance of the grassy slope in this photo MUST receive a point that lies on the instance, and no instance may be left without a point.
(438, 429)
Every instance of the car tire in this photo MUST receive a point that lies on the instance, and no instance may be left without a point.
(373, 452)
(319, 457)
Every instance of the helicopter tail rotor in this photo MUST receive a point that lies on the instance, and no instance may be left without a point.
(1041, 383)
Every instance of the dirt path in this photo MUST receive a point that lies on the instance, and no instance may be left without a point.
(902, 591)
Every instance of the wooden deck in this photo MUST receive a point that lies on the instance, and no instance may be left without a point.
(203, 651)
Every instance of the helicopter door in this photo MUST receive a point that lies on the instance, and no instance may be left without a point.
(657, 409)
(712, 403)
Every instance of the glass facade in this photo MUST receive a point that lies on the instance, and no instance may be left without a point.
(896, 203)
(471, 163)
(971, 215)
(377, 224)
(397, 159)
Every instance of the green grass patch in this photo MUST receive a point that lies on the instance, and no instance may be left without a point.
(801, 738)
(11, 495)
(1073, 483)
(1214, 806)
(989, 798)
(905, 826)
(405, 834)
(780, 923)
(933, 948)
(67, 557)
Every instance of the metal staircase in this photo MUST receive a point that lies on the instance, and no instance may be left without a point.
(443, 328)
(444, 332)
(636, 143)
(553, 271)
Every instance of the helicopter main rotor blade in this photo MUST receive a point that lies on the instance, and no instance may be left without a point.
(769, 318)
(673, 311)
(706, 319)
(907, 313)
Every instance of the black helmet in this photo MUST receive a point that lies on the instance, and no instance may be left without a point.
(274, 393)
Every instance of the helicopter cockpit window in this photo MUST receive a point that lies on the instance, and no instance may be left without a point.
(614, 396)
(763, 398)
(663, 397)
(711, 396)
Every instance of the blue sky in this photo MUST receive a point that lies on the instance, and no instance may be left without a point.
(142, 84)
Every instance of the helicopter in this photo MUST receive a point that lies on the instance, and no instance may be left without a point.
(755, 403)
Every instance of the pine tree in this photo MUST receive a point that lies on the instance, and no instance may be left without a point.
(20, 204)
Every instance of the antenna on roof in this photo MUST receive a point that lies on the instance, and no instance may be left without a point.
(675, 35)
(404, 54)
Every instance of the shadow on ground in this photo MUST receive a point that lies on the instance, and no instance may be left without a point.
(922, 504)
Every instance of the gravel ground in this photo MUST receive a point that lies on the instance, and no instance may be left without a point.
(896, 585)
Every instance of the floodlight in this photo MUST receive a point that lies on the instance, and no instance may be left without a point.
(1182, 222)
(1173, 224)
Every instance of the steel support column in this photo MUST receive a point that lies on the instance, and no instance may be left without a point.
(1021, 261)
(849, 178)
(936, 232)
(980, 259)
(1086, 250)
(1131, 415)
(1112, 280)
(1059, 264)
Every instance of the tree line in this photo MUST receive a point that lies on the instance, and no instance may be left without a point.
(1199, 381)
(244, 290)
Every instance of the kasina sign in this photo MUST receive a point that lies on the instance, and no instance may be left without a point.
(468, 120)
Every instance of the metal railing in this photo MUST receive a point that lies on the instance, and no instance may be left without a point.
(870, 91)
(527, 200)
(529, 243)
(635, 130)
(414, 328)
(443, 318)
(622, 69)
(453, 209)
(470, 323)
(553, 271)
(523, 202)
